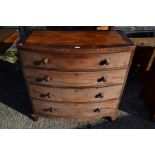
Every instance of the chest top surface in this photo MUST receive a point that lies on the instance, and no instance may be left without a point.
(77, 38)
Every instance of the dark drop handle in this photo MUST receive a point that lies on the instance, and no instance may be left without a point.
(102, 79)
(44, 61)
(47, 78)
(105, 62)
(97, 110)
(49, 109)
(99, 95)
(46, 95)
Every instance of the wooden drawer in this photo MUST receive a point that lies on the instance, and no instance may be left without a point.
(75, 61)
(75, 95)
(73, 110)
(75, 79)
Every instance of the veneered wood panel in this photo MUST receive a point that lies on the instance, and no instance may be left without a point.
(75, 94)
(73, 38)
(66, 61)
(75, 79)
(83, 110)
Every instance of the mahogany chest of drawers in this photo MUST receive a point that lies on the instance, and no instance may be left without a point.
(76, 74)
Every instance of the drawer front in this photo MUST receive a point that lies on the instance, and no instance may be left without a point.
(75, 95)
(75, 110)
(81, 61)
(76, 79)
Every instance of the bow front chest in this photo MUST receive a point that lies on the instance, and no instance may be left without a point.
(76, 74)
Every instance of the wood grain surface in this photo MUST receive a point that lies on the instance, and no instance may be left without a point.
(75, 79)
(81, 38)
(75, 94)
(78, 61)
(83, 110)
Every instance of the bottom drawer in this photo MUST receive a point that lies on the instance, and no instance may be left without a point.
(75, 110)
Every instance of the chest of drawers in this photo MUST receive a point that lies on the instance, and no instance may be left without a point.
(77, 74)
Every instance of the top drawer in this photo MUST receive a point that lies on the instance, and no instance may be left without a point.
(75, 61)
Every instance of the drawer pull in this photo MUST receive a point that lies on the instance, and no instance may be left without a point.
(47, 78)
(44, 60)
(97, 110)
(102, 79)
(49, 95)
(49, 109)
(46, 95)
(105, 62)
(99, 95)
